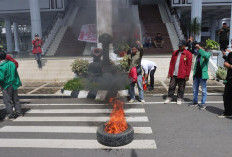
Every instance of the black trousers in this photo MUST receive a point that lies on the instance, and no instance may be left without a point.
(224, 44)
(152, 73)
(172, 87)
(227, 98)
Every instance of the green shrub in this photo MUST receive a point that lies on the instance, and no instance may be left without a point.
(75, 84)
(221, 73)
(124, 66)
(212, 45)
(80, 67)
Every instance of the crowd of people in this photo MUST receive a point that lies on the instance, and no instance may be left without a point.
(191, 55)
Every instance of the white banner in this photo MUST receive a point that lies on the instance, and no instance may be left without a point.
(88, 33)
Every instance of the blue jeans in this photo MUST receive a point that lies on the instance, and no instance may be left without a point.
(196, 83)
(140, 87)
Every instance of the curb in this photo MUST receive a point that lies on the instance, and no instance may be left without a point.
(39, 96)
(97, 95)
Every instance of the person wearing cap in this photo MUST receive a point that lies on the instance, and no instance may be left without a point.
(37, 49)
(224, 36)
(179, 71)
(200, 76)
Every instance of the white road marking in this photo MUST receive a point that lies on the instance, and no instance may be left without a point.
(83, 111)
(75, 144)
(65, 129)
(78, 119)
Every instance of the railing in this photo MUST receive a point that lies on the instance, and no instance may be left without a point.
(175, 22)
(180, 23)
(179, 3)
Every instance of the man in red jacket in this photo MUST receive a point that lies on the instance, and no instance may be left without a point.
(37, 49)
(179, 71)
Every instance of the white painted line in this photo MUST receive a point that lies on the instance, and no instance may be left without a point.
(76, 144)
(173, 102)
(101, 95)
(83, 111)
(83, 94)
(65, 129)
(77, 119)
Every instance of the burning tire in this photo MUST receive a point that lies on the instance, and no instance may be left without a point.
(115, 140)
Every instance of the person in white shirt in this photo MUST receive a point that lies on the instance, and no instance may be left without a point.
(149, 67)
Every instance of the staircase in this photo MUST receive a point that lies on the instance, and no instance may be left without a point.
(152, 24)
(69, 45)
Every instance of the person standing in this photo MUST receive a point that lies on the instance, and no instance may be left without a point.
(200, 76)
(134, 61)
(149, 67)
(179, 71)
(10, 82)
(224, 36)
(37, 49)
(227, 98)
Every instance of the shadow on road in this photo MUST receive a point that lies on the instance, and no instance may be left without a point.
(214, 110)
(133, 153)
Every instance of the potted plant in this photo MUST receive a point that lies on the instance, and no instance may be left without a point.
(213, 46)
(121, 47)
(80, 67)
(195, 27)
(221, 73)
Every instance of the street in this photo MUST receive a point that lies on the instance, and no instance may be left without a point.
(67, 127)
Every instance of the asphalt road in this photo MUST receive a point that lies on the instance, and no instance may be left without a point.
(177, 131)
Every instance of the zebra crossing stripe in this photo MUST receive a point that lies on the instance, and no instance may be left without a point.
(78, 119)
(65, 129)
(75, 144)
(82, 111)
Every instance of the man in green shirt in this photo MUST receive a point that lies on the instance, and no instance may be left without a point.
(9, 82)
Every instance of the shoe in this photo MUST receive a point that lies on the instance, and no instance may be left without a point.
(224, 116)
(131, 100)
(151, 88)
(143, 101)
(18, 115)
(10, 117)
(179, 102)
(194, 104)
(168, 100)
(202, 107)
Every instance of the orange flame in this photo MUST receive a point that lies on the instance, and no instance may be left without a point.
(117, 123)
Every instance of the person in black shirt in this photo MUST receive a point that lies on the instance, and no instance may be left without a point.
(227, 97)
(159, 42)
(224, 37)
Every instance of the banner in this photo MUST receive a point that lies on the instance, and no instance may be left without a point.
(88, 33)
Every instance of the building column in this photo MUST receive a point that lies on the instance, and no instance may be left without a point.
(16, 37)
(196, 11)
(8, 35)
(35, 18)
(104, 17)
(213, 26)
(230, 38)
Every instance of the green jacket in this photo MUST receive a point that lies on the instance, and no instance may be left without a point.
(204, 62)
(9, 75)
